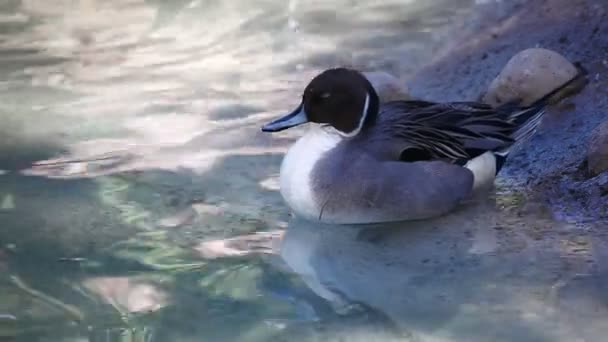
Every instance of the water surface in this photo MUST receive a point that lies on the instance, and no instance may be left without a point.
(151, 212)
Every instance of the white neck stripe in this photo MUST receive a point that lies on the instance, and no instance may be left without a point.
(361, 121)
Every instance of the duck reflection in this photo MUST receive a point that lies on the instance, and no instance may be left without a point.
(463, 277)
(486, 272)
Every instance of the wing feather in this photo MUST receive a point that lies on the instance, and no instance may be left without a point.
(448, 131)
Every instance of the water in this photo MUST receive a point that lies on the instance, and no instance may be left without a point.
(151, 212)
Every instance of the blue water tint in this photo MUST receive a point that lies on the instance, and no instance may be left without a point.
(139, 202)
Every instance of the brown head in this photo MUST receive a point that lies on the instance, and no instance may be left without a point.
(341, 98)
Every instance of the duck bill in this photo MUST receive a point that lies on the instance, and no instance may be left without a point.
(295, 118)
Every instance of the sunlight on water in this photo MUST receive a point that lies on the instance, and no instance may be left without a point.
(139, 199)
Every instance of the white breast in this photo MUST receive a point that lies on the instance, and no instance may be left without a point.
(297, 167)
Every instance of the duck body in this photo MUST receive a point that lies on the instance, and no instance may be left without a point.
(326, 178)
(366, 162)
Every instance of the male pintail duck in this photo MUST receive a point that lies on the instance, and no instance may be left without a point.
(367, 162)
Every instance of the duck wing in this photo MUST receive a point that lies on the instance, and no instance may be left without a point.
(460, 131)
(453, 131)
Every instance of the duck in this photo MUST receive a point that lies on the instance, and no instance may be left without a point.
(367, 161)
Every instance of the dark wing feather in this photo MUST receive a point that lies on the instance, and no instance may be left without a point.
(448, 131)
(458, 131)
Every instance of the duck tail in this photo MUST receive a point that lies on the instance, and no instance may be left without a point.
(528, 118)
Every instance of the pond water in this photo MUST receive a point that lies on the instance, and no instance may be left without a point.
(139, 202)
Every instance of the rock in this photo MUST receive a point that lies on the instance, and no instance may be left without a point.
(128, 293)
(256, 243)
(388, 87)
(597, 152)
(528, 76)
(181, 218)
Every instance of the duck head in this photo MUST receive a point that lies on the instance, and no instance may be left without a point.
(340, 98)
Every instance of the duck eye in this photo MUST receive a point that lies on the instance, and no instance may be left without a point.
(321, 98)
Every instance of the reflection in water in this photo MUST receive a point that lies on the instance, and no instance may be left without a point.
(472, 276)
(478, 274)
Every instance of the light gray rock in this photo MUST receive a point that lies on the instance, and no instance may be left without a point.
(528, 76)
